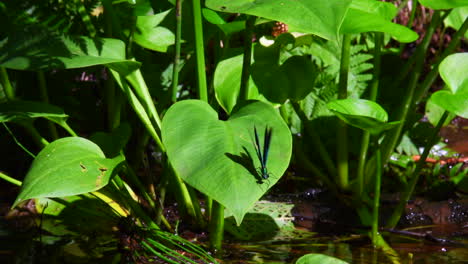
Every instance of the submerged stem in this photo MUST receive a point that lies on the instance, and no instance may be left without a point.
(217, 226)
(375, 210)
(374, 86)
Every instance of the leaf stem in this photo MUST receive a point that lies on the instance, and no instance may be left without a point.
(415, 175)
(217, 226)
(430, 78)
(342, 140)
(175, 69)
(315, 139)
(247, 59)
(10, 179)
(5, 81)
(376, 205)
(200, 51)
(391, 139)
(374, 86)
(45, 98)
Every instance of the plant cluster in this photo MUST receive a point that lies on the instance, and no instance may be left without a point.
(129, 102)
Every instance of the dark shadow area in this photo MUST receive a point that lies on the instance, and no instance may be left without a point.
(36, 49)
(254, 227)
(245, 159)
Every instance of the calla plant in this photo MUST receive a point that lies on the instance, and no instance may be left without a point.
(157, 63)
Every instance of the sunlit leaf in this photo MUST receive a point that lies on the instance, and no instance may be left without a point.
(361, 113)
(65, 167)
(322, 18)
(443, 4)
(453, 71)
(368, 16)
(48, 51)
(151, 35)
(456, 18)
(218, 157)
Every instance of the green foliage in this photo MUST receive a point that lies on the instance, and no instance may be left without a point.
(453, 71)
(48, 51)
(319, 258)
(124, 53)
(151, 35)
(443, 4)
(20, 111)
(66, 167)
(324, 17)
(327, 54)
(456, 18)
(218, 157)
(367, 16)
(226, 82)
(363, 114)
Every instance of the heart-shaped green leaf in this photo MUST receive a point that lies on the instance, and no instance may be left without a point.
(218, 157)
(443, 4)
(453, 71)
(65, 167)
(322, 18)
(369, 15)
(364, 114)
(45, 51)
(454, 103)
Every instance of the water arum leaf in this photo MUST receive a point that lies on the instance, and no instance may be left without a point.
(226, 82)
(319, 258)
(322, 18)
(443, 4)
(453, 71)
(46, 51)
(151, 35)
(434, 112)
(456, 18)
(18, 111)
(383, 9)
(367, 16)
(364, 114)
(213, 17)
(218, 158)
(293, 80)
(66, 167)
(454, 103)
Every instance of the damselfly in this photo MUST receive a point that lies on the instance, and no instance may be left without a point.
(263, 156)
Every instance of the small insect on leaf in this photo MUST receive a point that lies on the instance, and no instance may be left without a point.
(83, 167)
(263, 155)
